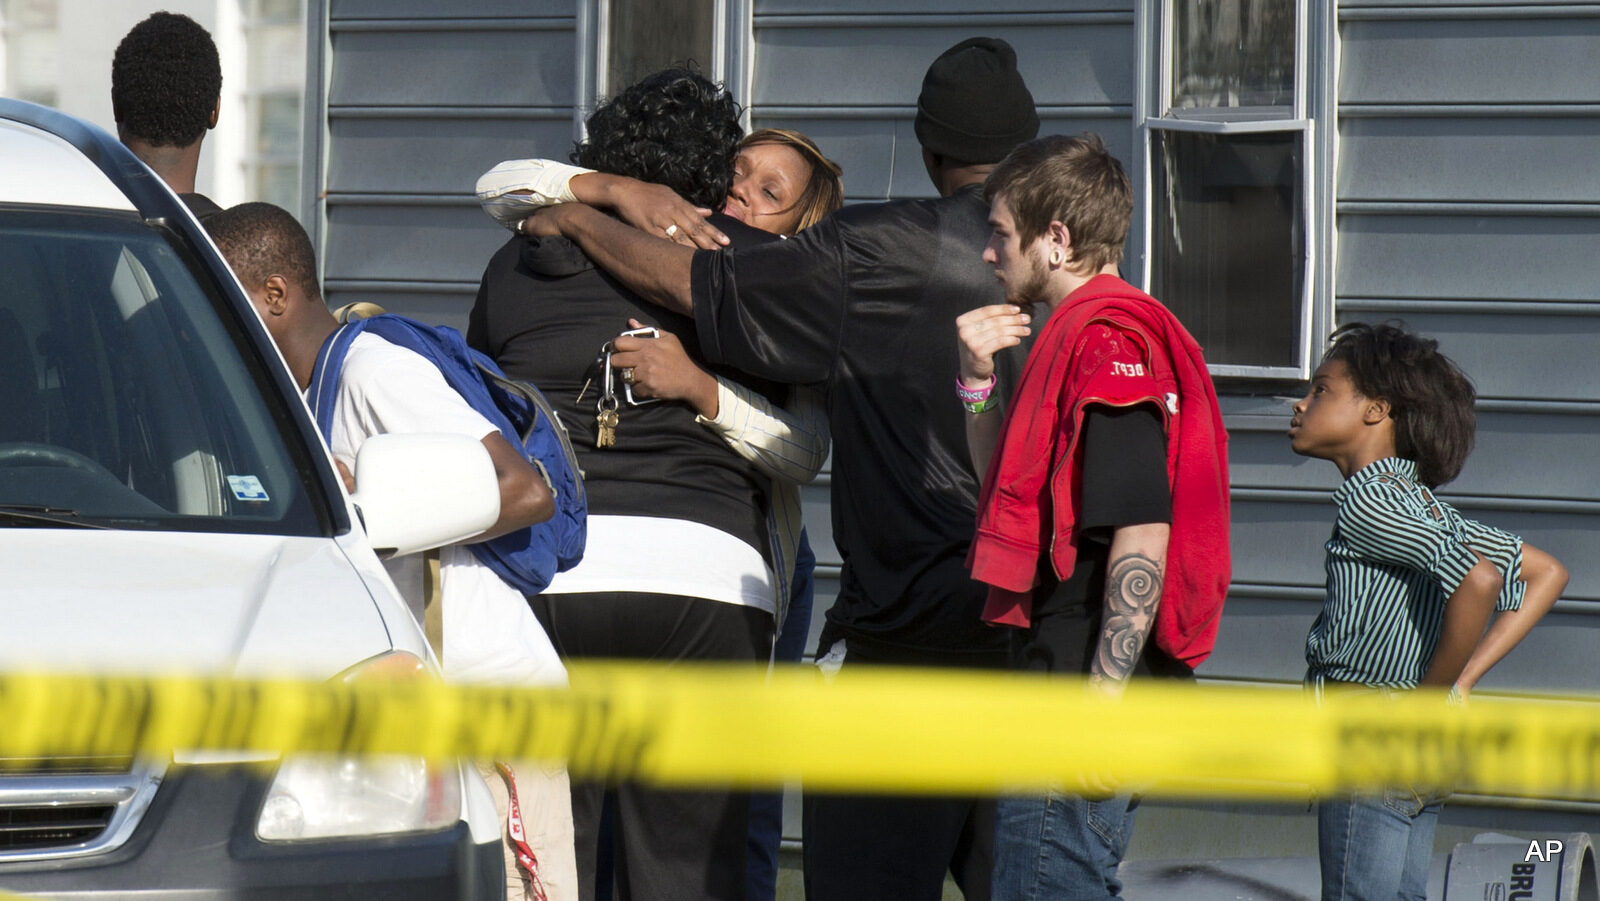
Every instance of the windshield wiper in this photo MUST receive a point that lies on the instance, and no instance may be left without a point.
(34, 515)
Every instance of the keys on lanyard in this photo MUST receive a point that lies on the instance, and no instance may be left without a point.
(606, 418)
(608, 407)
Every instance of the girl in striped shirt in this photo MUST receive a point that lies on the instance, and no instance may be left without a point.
(1411, 583)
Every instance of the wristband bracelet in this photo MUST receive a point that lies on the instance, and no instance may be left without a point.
(982, 406)
(974, 395)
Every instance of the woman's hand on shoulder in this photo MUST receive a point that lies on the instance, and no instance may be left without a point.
(548, 222)
(653, 209)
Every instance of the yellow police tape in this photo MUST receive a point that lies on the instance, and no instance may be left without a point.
(875, 729)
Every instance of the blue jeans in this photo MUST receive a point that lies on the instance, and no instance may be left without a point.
(766, 808)
(1060, 846)
(1377, 846)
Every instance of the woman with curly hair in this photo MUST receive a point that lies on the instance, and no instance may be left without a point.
(680, 561)
(782, 184)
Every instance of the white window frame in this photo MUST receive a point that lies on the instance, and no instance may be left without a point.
(1154, 112)
(730, 62)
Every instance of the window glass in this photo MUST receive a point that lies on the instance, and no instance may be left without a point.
(1232, 53)
(1228, 241)
(31, 53)
(279, 10)
(129, 402)
(645, 36)
(279, 131)
(30, 13)
(279, 184)
(275, 47)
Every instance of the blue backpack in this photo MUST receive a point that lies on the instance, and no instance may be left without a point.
(526, 559)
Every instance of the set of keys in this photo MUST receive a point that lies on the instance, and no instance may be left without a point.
(608, 406)
(607, 419)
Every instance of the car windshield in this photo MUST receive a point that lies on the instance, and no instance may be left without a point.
(125, 400)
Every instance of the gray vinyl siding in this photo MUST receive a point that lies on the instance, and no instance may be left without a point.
(1468, 204)
(1461, 158)
(420, 100)
(848, 74)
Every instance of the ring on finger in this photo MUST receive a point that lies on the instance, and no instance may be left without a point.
(627, 375)
(672, 230)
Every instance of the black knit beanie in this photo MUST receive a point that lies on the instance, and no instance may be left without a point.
(974, 106)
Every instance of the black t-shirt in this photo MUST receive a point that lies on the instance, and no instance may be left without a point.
(543, 313)
(1123, 469)
(200, 205)
(863, 305)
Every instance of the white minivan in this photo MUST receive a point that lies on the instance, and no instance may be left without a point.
(166, 505)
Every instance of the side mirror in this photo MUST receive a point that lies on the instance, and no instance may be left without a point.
(420, 491)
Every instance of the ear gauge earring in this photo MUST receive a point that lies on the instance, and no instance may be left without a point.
(1055, 258)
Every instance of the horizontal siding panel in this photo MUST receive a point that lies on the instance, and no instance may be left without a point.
(1558, 657)
(1277, 543)
(434, 308)
(1532, 455)
(900, 8)
(456, 9)
(1280, 543)
(409, 243)
(1264, 639)
(1469, 159)
(1085, 64)
(1261, 639)
(1466, 9)
(1516, 455)
(1261, 458)
(437, 156)
(1469, 256)
(819, 522)
(1488, 60)
(502, 67)
(882, 159)
(1507, 355)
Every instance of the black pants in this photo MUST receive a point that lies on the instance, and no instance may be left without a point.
(669, 845)
(890, 848)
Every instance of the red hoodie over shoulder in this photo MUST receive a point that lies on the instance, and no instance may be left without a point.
(1031, 491)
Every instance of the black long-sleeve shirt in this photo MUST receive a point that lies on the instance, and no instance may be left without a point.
(864, 305)
(543, 312)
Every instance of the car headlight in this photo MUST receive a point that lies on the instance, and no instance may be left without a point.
(330, 796)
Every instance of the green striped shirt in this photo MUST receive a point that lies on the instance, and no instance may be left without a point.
(1397, 553)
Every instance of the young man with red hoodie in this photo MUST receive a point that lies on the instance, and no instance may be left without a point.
(1103, 519)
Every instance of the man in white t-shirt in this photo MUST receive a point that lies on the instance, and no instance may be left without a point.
(489, 633)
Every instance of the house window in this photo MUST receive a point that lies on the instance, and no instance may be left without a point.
(621, 41)
(30, 50)
(644, 36)
(1229, 158)
(275, 41)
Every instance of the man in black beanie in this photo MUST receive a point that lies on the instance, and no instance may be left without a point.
(862, 305)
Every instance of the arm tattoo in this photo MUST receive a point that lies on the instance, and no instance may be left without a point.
(1133, 591)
